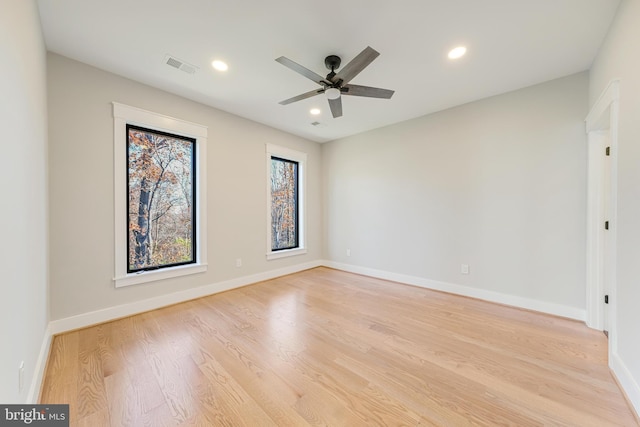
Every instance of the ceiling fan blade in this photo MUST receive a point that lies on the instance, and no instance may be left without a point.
(302, 70)
(356, 65)
(336, 107)
(370, 92)
(302, 96)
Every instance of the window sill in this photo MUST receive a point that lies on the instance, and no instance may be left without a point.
(286, 253)
(154, 275)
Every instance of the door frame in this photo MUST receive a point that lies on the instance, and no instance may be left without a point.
(602, 129)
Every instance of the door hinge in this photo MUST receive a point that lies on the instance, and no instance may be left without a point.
(606, 299)
(606, 225)
(607, 151)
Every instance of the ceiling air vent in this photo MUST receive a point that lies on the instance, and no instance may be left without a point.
(180, 65)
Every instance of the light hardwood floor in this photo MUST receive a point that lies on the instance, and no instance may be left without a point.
(328, 348)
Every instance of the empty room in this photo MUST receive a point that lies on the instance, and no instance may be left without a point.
(288, 213)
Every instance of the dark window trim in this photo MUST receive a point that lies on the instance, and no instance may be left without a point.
(297, 208)
(194, 180)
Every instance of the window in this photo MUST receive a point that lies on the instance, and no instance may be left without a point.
(284, 204)
(159, 177)
(161, 209)
(285, 210)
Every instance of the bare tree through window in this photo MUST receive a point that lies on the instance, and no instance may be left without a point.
(284, 204)
(161, 208)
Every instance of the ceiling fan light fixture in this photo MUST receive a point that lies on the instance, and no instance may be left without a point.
(332, 93)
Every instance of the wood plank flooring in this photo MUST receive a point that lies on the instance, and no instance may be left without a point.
(329, 348)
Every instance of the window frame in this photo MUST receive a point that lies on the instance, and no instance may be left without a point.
(287, 154)
(194, 189)
(296, 201)
(126, 115)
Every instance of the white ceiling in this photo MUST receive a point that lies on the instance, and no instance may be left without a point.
(511, 44)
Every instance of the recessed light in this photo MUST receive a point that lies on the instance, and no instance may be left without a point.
(220, 65)
(457, 52)
(315, 111)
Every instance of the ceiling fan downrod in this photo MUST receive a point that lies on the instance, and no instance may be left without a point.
(332, 62)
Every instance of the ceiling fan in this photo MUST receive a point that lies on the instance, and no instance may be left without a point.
(334, 85)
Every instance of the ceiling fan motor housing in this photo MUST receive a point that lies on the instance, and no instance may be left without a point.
(332, 62)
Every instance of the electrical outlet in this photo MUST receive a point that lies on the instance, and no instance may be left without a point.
(238, 262)
(348, 252)
(21, 377)
(464, 268)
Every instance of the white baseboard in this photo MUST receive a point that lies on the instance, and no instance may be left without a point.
(111, 313)
(124, 310)
(41, 364)
(483, 294)
(626, 381)
(618, 367)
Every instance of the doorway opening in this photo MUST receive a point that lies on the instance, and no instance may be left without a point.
(602, 135)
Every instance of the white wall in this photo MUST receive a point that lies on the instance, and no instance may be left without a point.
(23, 217)
(619, 57)
(81, 189)
(498, 184)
